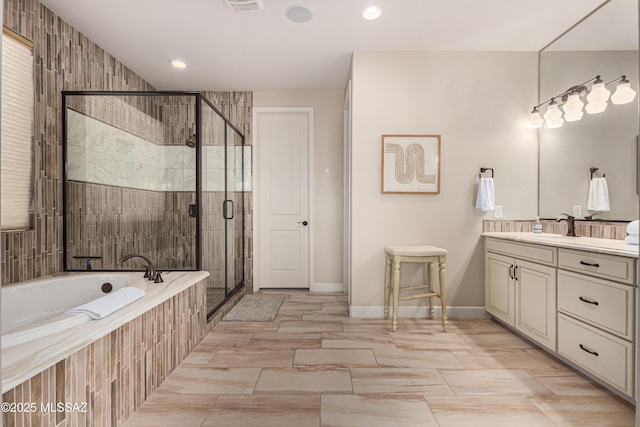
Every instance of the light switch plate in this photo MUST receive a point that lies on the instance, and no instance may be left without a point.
(497, 212)
(577, 211)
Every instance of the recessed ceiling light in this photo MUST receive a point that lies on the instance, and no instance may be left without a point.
(371, 13)
(298, 14)
(178, 64)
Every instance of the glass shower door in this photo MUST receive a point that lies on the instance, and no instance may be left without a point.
(234, 198)
(212, 139)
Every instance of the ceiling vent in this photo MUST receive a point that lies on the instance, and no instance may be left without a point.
(245, 5)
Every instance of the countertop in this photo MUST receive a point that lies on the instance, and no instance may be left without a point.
(21, 362)
(591, 244)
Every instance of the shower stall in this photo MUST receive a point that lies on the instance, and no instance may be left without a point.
(160, 174)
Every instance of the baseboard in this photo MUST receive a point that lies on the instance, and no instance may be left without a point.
(412, 311)
(326, 287)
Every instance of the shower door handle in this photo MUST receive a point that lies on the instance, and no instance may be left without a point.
(225, 209)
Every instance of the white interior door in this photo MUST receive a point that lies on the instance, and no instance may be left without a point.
(283, 226)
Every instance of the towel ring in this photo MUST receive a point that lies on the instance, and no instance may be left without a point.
(593, 170)
(483, 170)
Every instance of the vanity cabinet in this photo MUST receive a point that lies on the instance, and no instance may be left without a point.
(596, 315)
(522, 293)
(576, 301)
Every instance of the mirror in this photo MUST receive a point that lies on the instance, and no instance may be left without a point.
(605, 44)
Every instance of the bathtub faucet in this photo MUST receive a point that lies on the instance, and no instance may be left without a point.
(151, 272)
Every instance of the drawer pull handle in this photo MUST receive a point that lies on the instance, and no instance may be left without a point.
(588, 351)
(589, 264)
(515, 273)
(588, 301)
(511, 271)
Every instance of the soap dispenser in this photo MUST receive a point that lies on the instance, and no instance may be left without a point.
(537, 226)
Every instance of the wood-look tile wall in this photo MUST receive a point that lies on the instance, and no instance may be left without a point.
(65, 59)
(137, 115)
(110, 222)
(598, 229)
(117, 373)
(237, 107)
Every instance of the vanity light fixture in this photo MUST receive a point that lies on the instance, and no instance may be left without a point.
(572, 104)
(371, 13)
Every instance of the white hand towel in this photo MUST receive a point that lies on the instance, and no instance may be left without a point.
(632, 239)
(633, 227)
(486, 195)
(598, 195)
(104, 306)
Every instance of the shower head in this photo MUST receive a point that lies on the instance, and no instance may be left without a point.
(191, 142)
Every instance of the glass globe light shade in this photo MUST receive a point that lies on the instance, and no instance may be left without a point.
(573, 104)
(573, 116)
(555, 123)
(535, 120)
(553, 112)
(596, 107)
(599, 93)
(623, 94)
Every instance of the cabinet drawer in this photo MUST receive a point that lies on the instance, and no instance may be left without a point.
(536, 253)
(610, 267)
(604, 355)
(607, 305)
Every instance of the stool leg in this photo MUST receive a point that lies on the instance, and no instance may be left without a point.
(430, 289)
(396, 290)
(443, 290)
(387, 285)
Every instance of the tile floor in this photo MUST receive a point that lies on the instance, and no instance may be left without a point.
(314, 366)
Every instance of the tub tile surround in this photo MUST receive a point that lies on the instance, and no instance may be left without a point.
(117, 372)
(494, 379)
(22, 361)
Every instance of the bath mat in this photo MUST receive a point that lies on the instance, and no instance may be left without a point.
(255, 308)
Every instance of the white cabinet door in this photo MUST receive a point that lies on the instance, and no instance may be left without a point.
(499, 298)
(536, 302)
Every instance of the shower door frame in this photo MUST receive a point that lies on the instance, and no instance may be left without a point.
(198, 99)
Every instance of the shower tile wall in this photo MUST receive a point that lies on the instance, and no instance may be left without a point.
(118, 201)
(238, 108)
(109, 221)
(105, 152)
(65, 59)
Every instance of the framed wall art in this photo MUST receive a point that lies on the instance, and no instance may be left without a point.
(411, 164)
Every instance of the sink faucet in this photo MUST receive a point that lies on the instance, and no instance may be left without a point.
(151, 272)
(571, 229)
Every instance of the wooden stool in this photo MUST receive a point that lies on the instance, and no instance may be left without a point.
(423, 254)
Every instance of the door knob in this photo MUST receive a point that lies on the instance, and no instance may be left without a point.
(305, 223)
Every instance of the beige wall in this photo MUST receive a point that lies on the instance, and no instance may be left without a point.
(327, 108)
(479, 103)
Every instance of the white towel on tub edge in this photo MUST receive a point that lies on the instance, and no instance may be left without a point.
(104, 306)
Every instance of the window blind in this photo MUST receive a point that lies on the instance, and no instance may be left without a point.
(16, 133)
